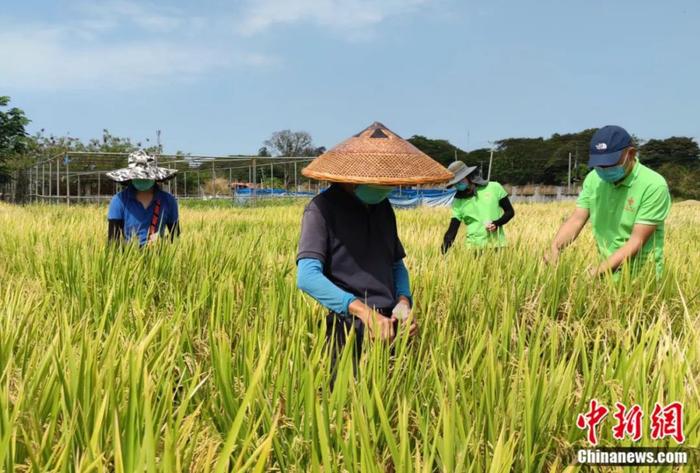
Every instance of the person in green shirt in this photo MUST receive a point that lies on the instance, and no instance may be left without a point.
(626, 202)
(483, 206)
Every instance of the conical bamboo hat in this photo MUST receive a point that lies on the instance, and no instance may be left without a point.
(376, 155)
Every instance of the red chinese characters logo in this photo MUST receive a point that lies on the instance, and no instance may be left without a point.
(665, 421)
(629, 421)
(591, 419)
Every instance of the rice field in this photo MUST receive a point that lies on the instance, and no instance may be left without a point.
(203, 355)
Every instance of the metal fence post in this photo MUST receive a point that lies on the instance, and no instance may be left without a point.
(36, 183)
(29, 184)
(68, 182)
(255, 178)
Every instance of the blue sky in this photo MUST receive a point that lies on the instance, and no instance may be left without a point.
(217, 77)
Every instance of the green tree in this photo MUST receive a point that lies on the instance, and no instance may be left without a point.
(42, 147)
(291, 143)
(521, 161)
(441, 151)
(13, 136)
(678, 160)
(676, 149)
(288, 143)
(50, 145)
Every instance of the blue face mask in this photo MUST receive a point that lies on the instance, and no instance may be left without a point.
(143, 184)
(462, 186)
(611, 174)
(370, 194)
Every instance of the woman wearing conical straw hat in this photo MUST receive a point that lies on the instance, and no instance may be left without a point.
(142, 210)
(483, 206)
(350, 256)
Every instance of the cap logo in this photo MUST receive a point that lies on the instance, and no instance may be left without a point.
(601, 146)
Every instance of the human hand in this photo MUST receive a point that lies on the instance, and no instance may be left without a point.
(551, 257)
(412, 325)
(491, 227)
(402, 309)
(403, 313)
(595, 271)
(380, 327)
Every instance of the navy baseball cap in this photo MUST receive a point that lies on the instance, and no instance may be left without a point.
(607, 145)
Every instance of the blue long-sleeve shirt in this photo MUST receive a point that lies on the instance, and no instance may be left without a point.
(311, 280)
(401, 281)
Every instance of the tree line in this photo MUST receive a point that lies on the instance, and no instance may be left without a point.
(516, 161)
(521, 161)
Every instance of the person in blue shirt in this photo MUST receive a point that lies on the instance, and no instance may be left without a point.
(142, 210)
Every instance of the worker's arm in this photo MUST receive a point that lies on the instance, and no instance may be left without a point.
(173, 229)
(403, 292)
(115, 230)
(450, 235)
(115, 219)
(653, 210)
(311, 280)
(402, 285)
(508, 212)
(640, 235)
(173, 223)
(567, 233)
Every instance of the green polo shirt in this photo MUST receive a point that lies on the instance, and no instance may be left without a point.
(642, 197)
(477, 210)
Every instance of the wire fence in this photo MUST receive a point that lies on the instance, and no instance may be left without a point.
(79, 177)
(74, 177)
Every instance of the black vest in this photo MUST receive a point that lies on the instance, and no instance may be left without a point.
(362, 246)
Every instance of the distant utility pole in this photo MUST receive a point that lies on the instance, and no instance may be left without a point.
(568, 186)
(158, 141)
